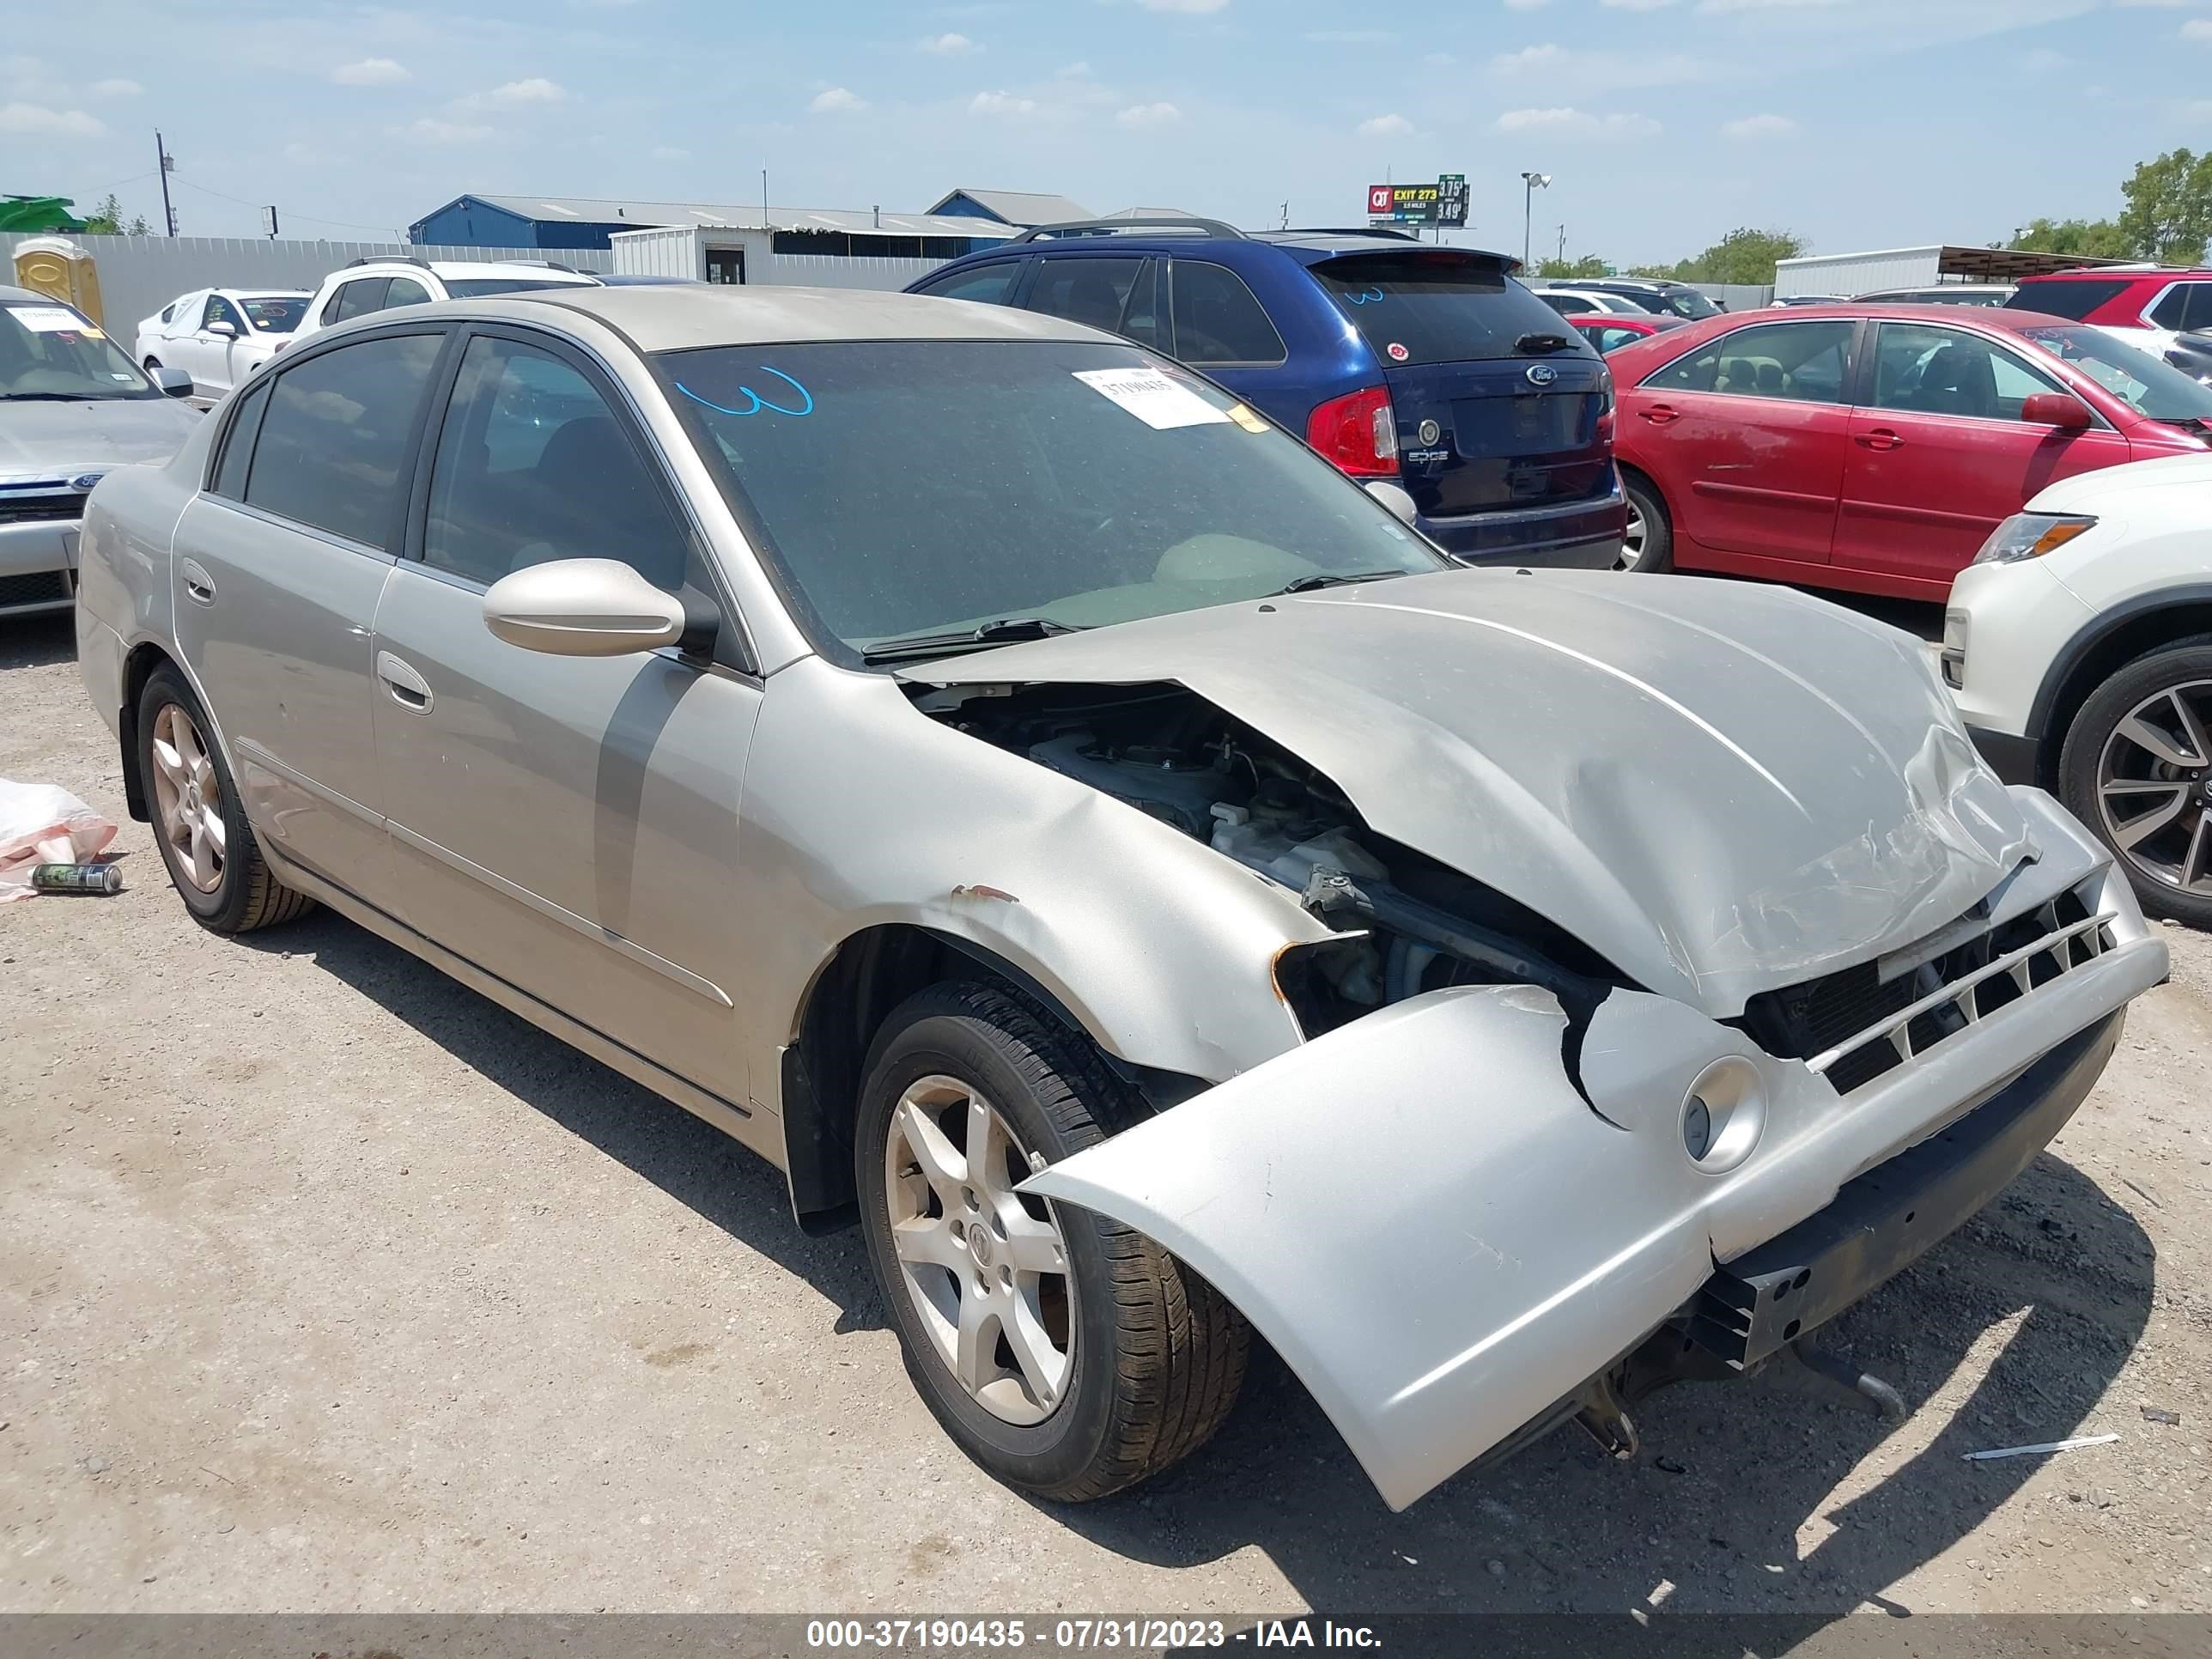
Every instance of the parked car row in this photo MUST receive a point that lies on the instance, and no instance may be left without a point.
(1287, 896)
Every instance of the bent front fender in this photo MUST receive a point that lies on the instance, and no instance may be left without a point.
(1422, 1216)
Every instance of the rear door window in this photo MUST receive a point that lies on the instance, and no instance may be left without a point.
(2072, 298)
(1218, 320)
(1436, 308)
(1568, 305)
(335, 436)
(991, 284)
(357, 299)
(405, 291)
(1804, 362)
(1114, 293)
(1928, 370)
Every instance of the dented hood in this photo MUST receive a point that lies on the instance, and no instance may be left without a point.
(1722, 788)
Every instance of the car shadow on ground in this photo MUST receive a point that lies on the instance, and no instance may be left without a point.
(1726, 1508)
(37, 642)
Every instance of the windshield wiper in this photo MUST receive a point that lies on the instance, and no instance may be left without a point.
(56, 396)
(1007, 630)
(1312, 584)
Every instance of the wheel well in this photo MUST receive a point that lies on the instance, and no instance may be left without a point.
(2137, 636)
(870, 975)
(138, 668)
(1630, 470)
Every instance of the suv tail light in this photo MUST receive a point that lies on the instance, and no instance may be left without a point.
(1605, 409)
(1358, 431)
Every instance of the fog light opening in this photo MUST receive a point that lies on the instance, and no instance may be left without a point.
(1723, 1114)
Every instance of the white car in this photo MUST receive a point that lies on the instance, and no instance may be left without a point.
(2079, 647)
(219, 336)
(380, 284)
(1582, 301)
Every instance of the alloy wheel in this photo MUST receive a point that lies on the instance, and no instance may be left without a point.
(2155, 786)
(188, 797)
(1631, 540)
(985, 1267)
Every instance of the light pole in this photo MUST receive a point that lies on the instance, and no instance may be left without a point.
(1535, 181)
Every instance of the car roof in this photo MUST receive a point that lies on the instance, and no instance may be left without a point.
(29, 296)
(260, 293)
(447, 269)
(2124, 273)
(1999, 319)
(677, 319)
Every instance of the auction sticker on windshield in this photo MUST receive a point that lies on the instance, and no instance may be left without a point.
(1152, 398)
(47, 319)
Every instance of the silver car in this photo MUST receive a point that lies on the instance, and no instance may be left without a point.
(1078, 835)
(71, 406)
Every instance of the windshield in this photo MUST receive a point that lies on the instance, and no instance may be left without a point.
(1683, 302)
(2155, 390)
(2075, 297)
(474, 288)
(1435, 308)
(274, 313)
(48, 350)
(906, 489)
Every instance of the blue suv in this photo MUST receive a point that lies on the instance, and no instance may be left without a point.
(1426, 366)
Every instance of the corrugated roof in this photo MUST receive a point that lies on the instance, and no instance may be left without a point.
(653, 216)
(1020, 207)
(1151, 213)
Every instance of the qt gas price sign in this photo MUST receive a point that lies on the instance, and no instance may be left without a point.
(1443, 203)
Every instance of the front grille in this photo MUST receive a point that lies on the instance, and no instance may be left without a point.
(41, 588)
(33, 510)
(1853, 1027)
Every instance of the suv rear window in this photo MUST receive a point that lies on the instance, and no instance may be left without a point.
(1438, 307)
(2072, 298)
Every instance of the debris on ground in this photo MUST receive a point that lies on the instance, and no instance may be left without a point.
(2154, 1414)
(2043, 1446)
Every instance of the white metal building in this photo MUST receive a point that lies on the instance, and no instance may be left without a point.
(1847, 274)
(821, 247)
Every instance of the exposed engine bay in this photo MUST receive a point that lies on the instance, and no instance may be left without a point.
(1412, 924)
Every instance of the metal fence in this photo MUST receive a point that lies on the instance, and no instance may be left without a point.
(139, 275)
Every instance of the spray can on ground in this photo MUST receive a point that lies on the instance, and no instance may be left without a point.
(99, 878)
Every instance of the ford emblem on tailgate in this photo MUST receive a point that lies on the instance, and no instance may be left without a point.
(1542, 374)
(1430, 433)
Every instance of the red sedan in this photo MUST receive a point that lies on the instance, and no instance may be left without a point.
(1875, 446)
(1609, 331)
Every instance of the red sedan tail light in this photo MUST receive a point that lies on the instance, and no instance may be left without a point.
(1358, 431)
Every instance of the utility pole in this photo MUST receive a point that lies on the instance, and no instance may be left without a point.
(166, 164)
(1562, 245)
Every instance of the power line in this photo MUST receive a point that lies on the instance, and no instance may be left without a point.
(343, 224)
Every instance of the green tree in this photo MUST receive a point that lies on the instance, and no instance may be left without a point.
(1587, 266)
(1744, 255)
(2087, 238)
(2168, 216)
(106, 219)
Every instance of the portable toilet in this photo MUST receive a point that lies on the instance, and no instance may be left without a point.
(56, 266)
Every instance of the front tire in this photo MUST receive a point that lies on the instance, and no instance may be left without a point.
(199, 823)
(1648, 547)
(1067, 1355)
(2136, 768)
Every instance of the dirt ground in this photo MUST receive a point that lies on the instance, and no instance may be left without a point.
(326, 1285)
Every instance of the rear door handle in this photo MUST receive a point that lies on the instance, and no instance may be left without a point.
(408, 689)
(1881, 438)
(199, 586)
(1660, 414)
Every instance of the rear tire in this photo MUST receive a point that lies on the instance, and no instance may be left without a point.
(199, 823)
(2148, 796)
(1142, 1359)
(1648, 548)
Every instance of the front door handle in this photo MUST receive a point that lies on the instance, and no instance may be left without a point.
(1881, 437)
(408, 689)
(199, 586)
(1660, 414)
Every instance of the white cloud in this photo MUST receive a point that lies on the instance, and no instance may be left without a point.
(37, 117)
(2198, 28)
(1528, 57)
(1439, 59)
(1637, 5)
(535, 91)
(837, 100)
(1351, 37)
(1753, 127)
(2169, 4)
(296, 151)
(1075, 71)
(1605, 71)
(947, 45)
(1150, 115)
(1565, 123)
(116, 88)
(1001, 103)
(370, 72)
(667, 153)
(1526, 5)
(1195, 8)
(1384, 127)
(1769, 5)
(429, 129)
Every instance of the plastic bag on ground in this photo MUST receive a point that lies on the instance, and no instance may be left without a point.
(43, 823)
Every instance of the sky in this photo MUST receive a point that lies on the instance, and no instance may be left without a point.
(1856, 124)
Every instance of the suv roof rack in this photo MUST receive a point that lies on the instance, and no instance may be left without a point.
(1110, 227)
(547, 265)
(387, 259)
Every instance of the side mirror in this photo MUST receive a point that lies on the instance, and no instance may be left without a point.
(583, 608)
(1395, 497)
(173, 382)
(228, 330)
(2058, 409)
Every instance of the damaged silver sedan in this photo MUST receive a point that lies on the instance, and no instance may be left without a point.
(1082, 838)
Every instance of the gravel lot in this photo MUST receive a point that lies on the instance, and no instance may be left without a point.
(325, 1284)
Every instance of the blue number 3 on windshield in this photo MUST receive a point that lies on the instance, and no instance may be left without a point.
(759, 403)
